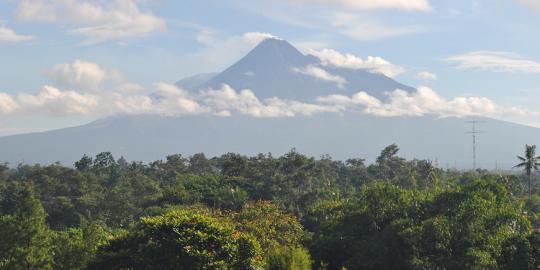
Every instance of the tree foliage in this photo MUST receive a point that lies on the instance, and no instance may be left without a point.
(180, 239)
(530, 164)
(265, 212)
(25, 240)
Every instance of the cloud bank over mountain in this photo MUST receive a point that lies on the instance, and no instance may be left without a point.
(84, 88)
(92, 98)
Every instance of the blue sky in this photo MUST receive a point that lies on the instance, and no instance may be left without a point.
(485, 49)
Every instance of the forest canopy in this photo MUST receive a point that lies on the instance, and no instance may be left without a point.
(265, 212)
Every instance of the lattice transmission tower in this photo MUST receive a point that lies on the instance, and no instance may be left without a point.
(474, 133)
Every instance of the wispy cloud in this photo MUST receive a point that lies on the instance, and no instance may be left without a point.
(329, 17)
(494, 61)
(407, 5)
(364, 28)
(373, 64)
(95, 20)
(321, 74)
(426, 75)
(10, 36)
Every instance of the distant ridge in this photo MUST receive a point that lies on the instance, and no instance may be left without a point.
(148, 138)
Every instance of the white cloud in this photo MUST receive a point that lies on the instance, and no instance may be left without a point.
(494, 61)
(7, 104)
(426, 75)
(8, 35)
(130, 88)
(409, 5)
(321, 74)
(52, 101)
(170, 100)
(254, 38)
(167, 100)
(363, 28)
(334, 58)
(226, 100)
(81, 75)
(97, 21)
(422, 102)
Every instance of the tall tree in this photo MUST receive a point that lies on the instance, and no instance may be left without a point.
(25, 242)
(529, 163)
(84, 164)
(389, 165)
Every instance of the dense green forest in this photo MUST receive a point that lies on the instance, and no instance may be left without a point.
(265, 212)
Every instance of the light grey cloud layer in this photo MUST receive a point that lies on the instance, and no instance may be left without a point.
(494, 61)
(97, 21)
(409, 5)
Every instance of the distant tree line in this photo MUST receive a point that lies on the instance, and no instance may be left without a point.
(266, 212)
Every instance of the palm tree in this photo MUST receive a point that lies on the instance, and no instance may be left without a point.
(529, 163)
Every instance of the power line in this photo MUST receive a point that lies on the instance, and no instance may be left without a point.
(474, 134)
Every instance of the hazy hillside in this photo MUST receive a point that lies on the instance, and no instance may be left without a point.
(353, 135)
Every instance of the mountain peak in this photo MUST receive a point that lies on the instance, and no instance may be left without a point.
(277, 49)
(271, 70)
(273, 41)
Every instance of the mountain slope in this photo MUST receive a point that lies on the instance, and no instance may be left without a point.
(193, 82)
(149, 138)
(269, 70)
